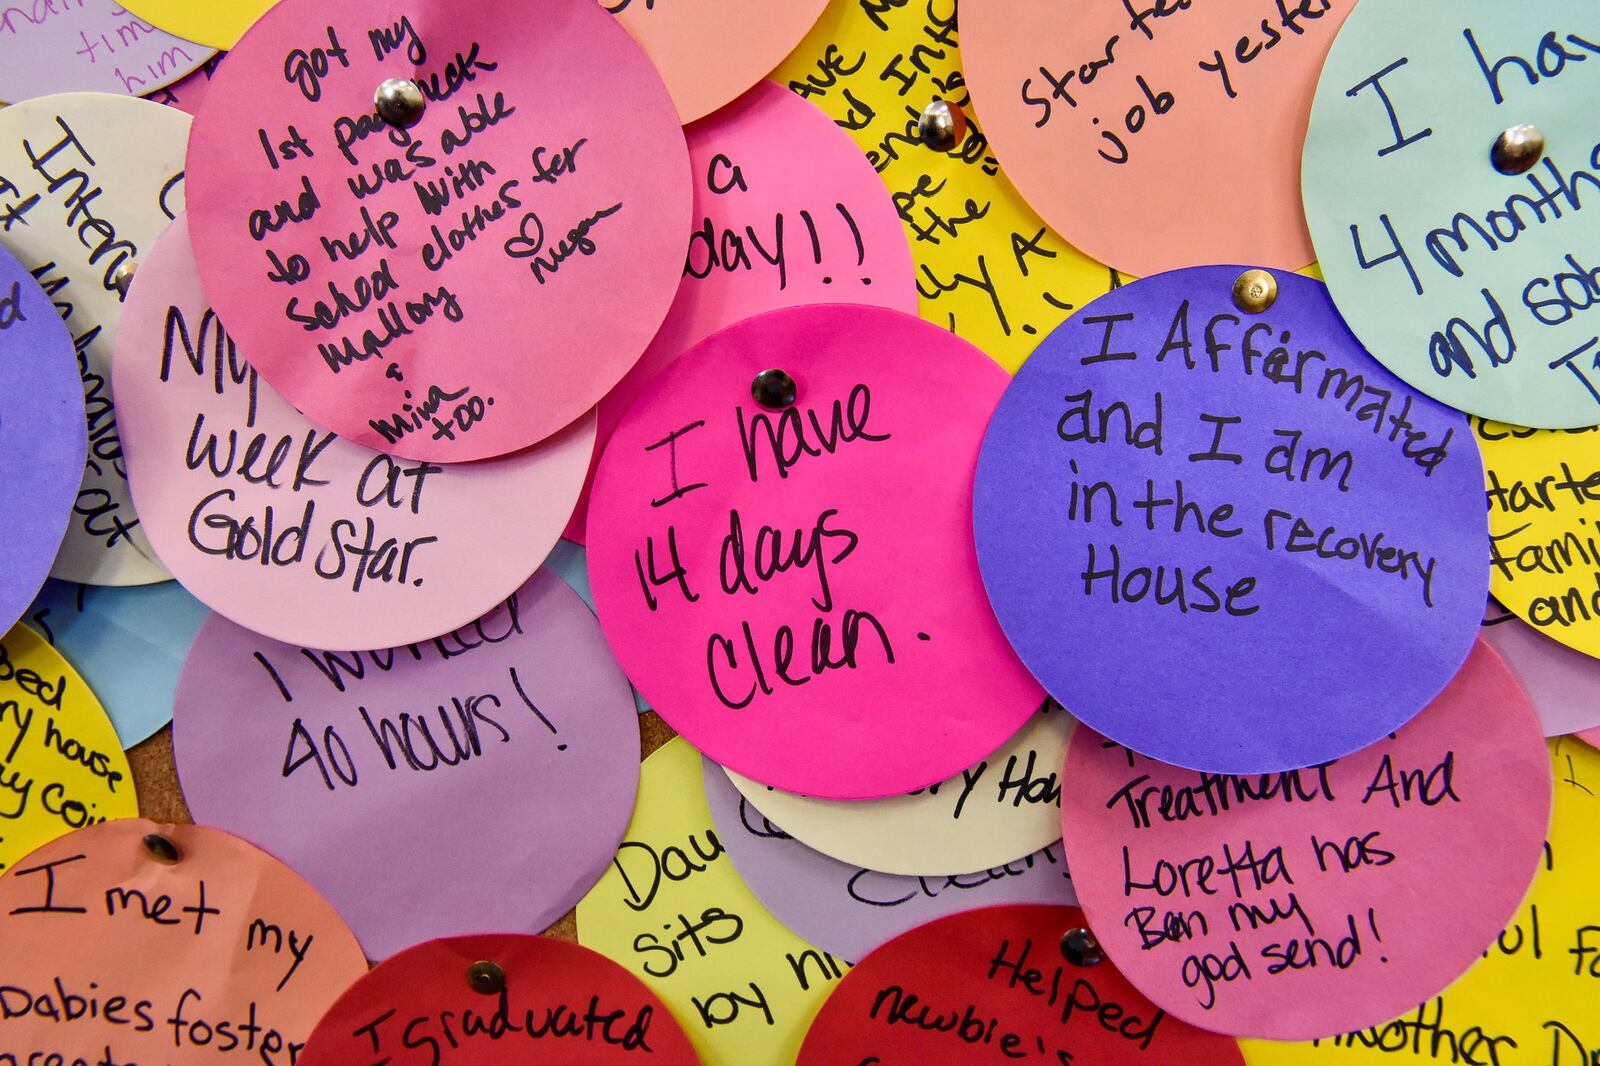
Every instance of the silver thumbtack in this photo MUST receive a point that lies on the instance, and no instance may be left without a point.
(1079, 947)
(122, 277)
(942, 125)
(1517, 149)
(400, 102)
(774, 389)
(162, 849)
(486, 977)
(1255, 291)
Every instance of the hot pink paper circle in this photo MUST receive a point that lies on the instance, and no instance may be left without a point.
(1357, 864)
(513, 252)
(224, 471)
(864, 527)
(752, 248)
(482, 780)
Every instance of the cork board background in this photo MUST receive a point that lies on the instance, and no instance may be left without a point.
(155, 777)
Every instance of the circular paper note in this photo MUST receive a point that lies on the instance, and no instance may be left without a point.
(42, 438)
(991, 985)
(752, 246)
(485, 752)
(795, 590)
(672, 910)
(293, 532)
(1304, 904)
(1476, 286)
(96, 45)
(189, 93)
(219, 23)
(63, 767)
(1562, 684)
(113, 955)
(1230, 541)
(710, 51)
(1158, 135)
(1544, 488)
(850, 910)
(128, 643)
(463, 288)
(108, 181)
(987, 267)
(1530, 1000)
(1000, 808)
(558, 1003)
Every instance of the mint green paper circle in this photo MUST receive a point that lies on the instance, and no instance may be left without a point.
(1409, 310)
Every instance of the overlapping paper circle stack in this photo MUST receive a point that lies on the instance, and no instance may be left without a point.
(800, 531)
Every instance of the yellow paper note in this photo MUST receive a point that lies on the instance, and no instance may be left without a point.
(1544, 528)
(987, 267)
(61, 765)
(219, 23)
(673, 911)
(1534, 999)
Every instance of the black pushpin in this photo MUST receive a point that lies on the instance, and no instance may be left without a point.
(1517, 149)
(774, 390)
(1079, 947)
(162, 849)
(486, 977)
(400, 102)
(942, 125)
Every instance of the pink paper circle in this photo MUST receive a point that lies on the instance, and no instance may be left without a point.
(753, 205)
(880, 490)
(1562, 683)
(495, 805)
(1403, 922)
(573, 185)
(392, 550)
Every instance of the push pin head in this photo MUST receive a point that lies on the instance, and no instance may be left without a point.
(1255, 291)
(486, 977)
(1517, 149)
(1079, 947)
(162, 849)
(122, 277)
(942, 125)
(400, 102)
(774, 390)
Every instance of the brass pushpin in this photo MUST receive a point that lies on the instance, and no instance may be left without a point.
(1079, 947)
(1517, 149)
(1255, 291)
(486, 977)
(942, 125)
(774, 390)
(162, 849)
(400, 102)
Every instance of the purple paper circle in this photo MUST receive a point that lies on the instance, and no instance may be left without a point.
(504, 830)
(43, 436)
(847, 910)
(1322, 654)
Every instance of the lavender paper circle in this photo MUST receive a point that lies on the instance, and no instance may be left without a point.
(847, 910)
(1332, 654)
(506, 838)
(43, 436)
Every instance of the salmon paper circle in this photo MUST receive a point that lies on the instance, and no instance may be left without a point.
(795, 589)
(472, 278)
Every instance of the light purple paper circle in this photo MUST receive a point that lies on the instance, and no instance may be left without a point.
(1563, 684)
(91, 46)
(846, 910)
(43, 436)
(514, 821)
(1290, 645)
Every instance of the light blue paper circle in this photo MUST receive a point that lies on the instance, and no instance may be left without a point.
(1481, 289)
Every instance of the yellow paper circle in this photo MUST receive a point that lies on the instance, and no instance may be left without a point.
(1544, 528)
(61, 764)
(1534, 998)
(672, 910)
(219, 23)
